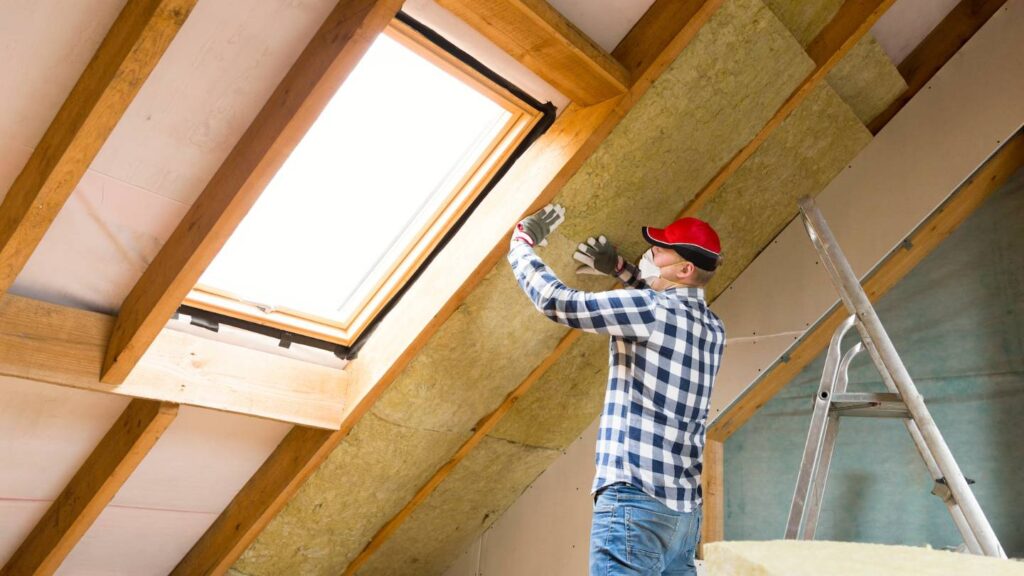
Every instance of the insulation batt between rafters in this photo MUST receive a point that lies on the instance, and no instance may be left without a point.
(710, 102)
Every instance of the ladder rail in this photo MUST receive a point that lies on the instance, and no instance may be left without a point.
(869, 325)
(815, 436)
(817, 496)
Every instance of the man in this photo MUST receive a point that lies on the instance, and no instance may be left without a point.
(665, 348)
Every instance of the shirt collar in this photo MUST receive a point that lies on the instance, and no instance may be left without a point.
(688, 292)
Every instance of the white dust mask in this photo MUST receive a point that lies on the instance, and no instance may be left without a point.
(648, 269)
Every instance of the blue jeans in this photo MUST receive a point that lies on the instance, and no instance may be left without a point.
(634, 534)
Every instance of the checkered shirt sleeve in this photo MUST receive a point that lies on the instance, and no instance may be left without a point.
(625, 313)
(665, 350)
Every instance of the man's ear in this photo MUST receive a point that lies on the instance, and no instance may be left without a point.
(685, 271)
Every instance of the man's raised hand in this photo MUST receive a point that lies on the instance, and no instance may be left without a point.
(598, 256)
(535, 228)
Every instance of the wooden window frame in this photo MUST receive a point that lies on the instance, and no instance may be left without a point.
(523, 117)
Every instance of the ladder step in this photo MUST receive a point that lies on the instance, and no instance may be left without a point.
(869, 405)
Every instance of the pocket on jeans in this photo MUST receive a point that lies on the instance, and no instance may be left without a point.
(648, 535)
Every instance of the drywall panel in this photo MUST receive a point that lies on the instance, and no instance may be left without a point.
(365, 481)
(971, 106)
(487, 482)
(803, 558)
(962, 339)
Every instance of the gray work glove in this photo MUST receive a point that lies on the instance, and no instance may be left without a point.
(597, 256)
(535, 228)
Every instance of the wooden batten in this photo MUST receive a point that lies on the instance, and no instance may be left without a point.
(95, 484)
(113, 77)
(330, 56)
(545, 42)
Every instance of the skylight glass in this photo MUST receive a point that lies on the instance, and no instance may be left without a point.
(372, 174)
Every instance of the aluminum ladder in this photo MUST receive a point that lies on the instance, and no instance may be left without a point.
(902, 401)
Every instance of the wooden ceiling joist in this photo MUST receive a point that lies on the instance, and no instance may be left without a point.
(539, 174)
(919, 244)
(113, 77)
(545, 42)
(853, 20)
(334, 51)
(936, 49)
(95, 484)
(59, 345)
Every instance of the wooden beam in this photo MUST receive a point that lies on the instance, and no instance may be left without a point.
(534, 33)
(936, 49)
(921, 242)
(713, 487)
(113, 77)
(655, 31)
(333, 52)
(542, 171)
(841, 34)
(92, 488)
(59, 345)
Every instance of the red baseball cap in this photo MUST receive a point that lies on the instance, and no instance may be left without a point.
(693, 239)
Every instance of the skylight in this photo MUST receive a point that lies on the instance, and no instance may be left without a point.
(397, 155)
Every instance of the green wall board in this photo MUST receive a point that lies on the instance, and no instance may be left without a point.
(958, 321)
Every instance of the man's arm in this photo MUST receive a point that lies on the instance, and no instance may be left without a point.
(626, 313)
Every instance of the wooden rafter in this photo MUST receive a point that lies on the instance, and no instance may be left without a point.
(59, 345)
(539, 174)
(713, 487)
(936, 49)
(920, 243)
(545, 42)
(113, 77)
(333, 52)
(124, 446)
(828, 48)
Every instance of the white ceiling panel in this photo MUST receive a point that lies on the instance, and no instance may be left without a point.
(135, 542)
(201, 461)
(44, 47)
(606, 21)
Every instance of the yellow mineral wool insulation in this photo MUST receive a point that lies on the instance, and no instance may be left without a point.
(813, 558)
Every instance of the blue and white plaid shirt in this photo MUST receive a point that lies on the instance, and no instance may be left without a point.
(665, 348)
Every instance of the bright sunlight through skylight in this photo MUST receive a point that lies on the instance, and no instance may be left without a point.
(383, 157)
